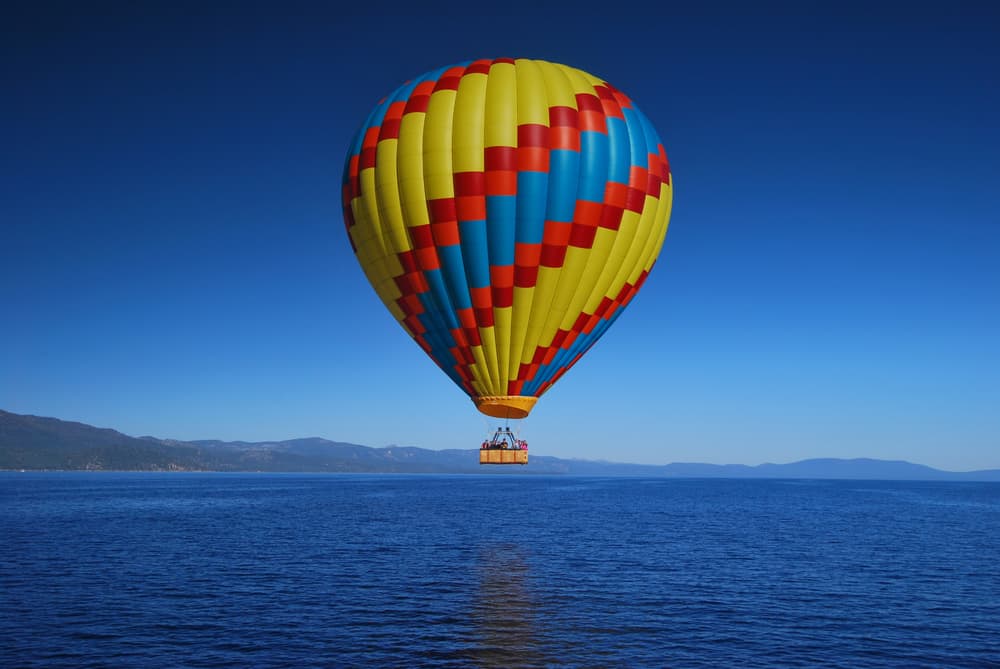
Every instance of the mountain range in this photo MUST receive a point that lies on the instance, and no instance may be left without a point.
(40, 443)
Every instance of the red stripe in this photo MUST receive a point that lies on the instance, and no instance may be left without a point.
(503, 296)
(501, 275)
(467, 318)
(408, 261)
(501, 158)
(565, 137)
(371, 137)
(562, 116)
(615, 193)
(417, 103)
(611, 217)
(484, 317)
(527, 255)
(423, 88)
(471, 208)
(603, 92)
(479, 67)
(473, 335)
(367, 158)
(501, 182)
(623, 100)
(403, 283)
(481, 297)
(533, 159)
(556, 233)
(415, 326)
(442, 209)
(593, 121)
(428, 258)
(588, 102)
(502, 281)
(636, 200)
(390, 129)
(653, 184)
(553, 256)
(447, 83)
(395, 110)
(469, 183)
(586, 218)
(421, 237)
(411, 305)
(532, 134)
(446, 233)
(583, 236)
(525, 276)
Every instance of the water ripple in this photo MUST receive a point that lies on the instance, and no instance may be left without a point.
(136, 570)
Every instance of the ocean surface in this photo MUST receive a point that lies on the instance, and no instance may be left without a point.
(269, 570)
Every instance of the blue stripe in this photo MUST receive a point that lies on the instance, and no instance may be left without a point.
(531, 189)
(619, 151)
(501, 217)
(564, 172)
(637, 138)
(593, 165)
(436, 302)
(454, 276)
(475, 255)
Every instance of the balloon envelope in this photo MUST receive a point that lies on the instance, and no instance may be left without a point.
(506, 211)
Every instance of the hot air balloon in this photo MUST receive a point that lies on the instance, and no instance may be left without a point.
(506, 211)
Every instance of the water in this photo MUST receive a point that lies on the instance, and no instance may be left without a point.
(217, 570)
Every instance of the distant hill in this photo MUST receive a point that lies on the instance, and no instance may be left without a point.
(37, 443)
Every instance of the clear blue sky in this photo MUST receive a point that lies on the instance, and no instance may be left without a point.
(173, 260)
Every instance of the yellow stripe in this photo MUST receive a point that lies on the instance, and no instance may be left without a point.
(502, 321)
(532, 98)
(596, 261)
(625, 246)
(409, 160)
(663, 223)
(501, 106)
(371, 244)
(654, 240)
(545, 290)
(438, 181)
(571, 280)
(619, 248)
(468, 132)
(557, 85)
(580, 81)
(387, 194)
